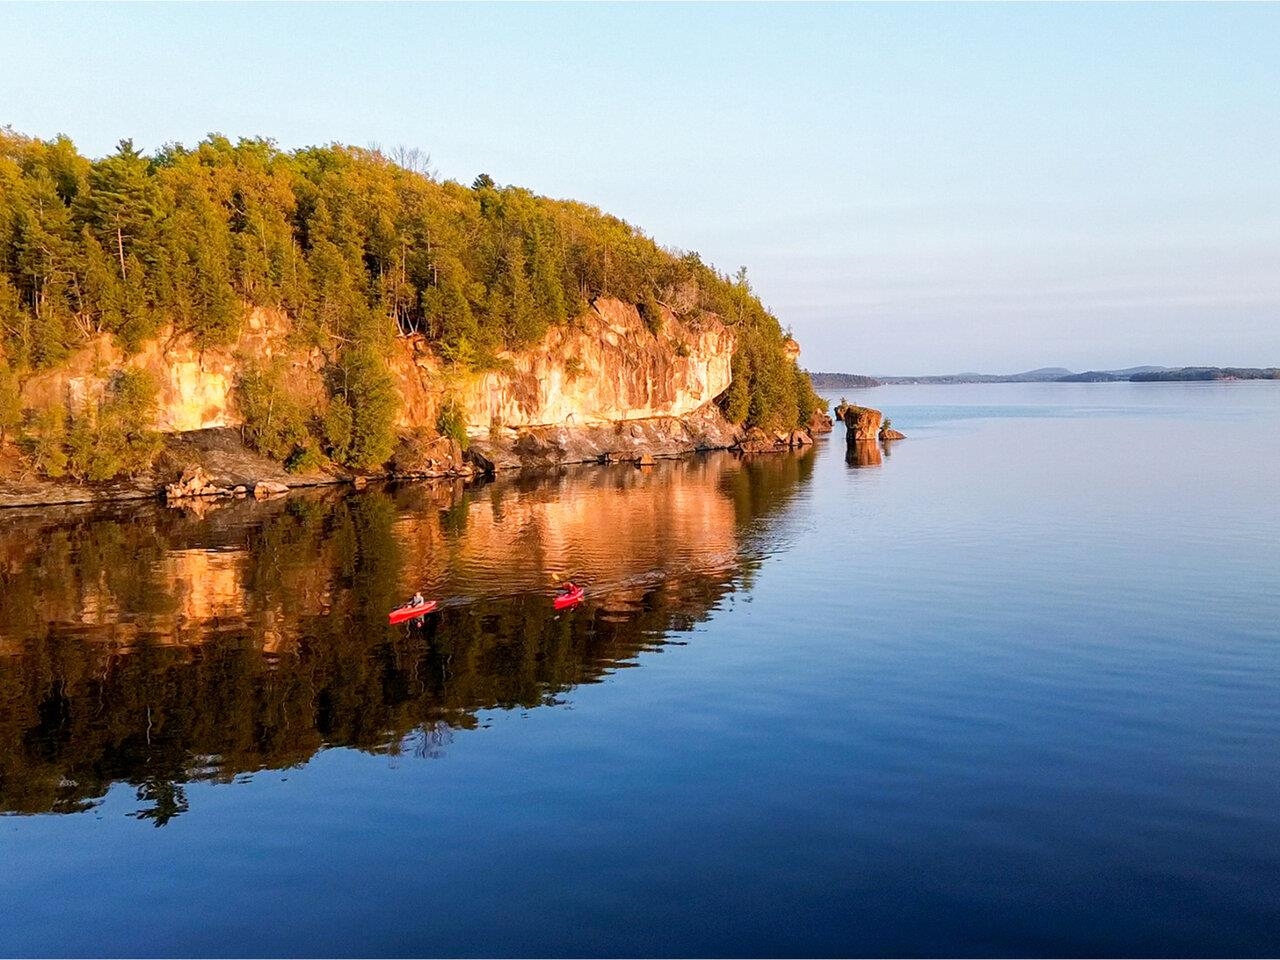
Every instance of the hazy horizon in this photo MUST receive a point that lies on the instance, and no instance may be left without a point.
(1042, 366)
(912, 187)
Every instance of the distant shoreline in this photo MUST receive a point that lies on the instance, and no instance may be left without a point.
(849, 381)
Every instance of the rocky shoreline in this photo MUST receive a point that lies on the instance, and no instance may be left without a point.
(214, 464)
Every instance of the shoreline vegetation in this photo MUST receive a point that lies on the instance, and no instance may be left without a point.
(840, 381)
(358, 252)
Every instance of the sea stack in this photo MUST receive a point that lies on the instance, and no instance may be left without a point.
(861, 423)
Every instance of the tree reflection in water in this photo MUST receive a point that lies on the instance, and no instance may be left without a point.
(156, 647)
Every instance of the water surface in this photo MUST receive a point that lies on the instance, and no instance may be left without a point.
(1007, 687)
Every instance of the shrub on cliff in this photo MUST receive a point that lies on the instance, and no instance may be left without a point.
(452, 423)
(44, 441)
(10, 403)
(364, 385)
(275, 421)
(651, 312)
(103, 439)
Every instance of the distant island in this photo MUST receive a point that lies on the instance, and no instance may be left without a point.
(1210, 373)
(1144, 374)
(842, 381)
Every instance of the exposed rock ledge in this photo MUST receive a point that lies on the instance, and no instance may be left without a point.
(206, 464)
(624, 440)
(203, 466)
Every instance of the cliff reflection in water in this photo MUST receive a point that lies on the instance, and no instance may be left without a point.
(156, 647)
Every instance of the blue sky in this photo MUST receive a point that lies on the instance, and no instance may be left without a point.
(913, 188)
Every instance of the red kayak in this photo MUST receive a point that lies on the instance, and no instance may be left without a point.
(568, 598)
(401, 614)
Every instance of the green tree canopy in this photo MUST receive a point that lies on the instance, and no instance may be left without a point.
(355, 248)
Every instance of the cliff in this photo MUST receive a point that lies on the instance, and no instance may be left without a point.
(340, 312)
(604, 386)
(604, 367)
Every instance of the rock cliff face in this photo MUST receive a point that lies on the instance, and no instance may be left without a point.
(604, 367)
(196, 387)
(604, 386)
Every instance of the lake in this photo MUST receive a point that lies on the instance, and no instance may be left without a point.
(1011, 686)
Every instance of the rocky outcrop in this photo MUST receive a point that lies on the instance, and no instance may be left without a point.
(194, 482)
(820, 422)
(861, 423)
(623, 441)
(756, 440)
(418, 456)
(864, 424)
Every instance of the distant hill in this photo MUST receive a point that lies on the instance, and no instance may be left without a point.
(1041, 375)
(1110, 376)
(1092, 376)
(841, 381)
(1142, 374)
(1209, 373)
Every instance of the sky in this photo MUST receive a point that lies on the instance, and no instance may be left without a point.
(914, 188)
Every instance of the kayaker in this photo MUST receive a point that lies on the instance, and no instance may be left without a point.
(417, 600)
(568, 587)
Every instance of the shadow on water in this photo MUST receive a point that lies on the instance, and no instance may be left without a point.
(156, 647)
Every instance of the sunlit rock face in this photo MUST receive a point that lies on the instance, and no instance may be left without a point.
(196, 387)
(607, 366)
(604, 366)
(862, 423)
(820, 422)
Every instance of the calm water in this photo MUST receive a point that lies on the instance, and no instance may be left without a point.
(1012, 686)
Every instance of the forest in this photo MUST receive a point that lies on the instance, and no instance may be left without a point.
(355, 245)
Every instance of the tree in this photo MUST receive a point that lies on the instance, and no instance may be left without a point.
(10, 402)
(366, 387)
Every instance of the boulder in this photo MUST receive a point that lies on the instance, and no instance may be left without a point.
(862, 423)
(479, 461)
(268, 488)
(194, 482)
(645, 460)
(820, 423)
(757, 441)
(421, 455)
(889, 434)
(799, 438)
